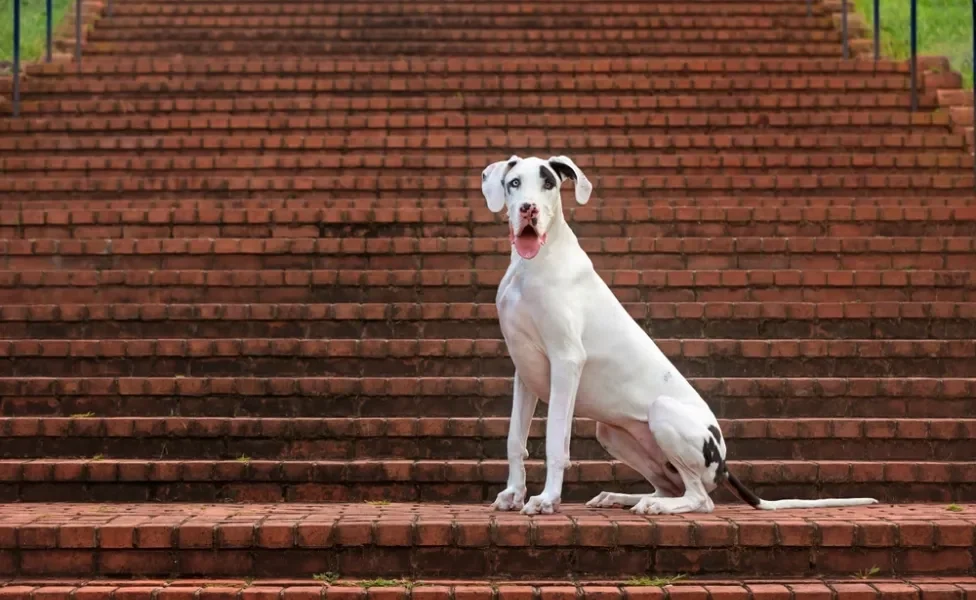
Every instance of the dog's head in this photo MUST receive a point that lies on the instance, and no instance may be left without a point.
(529, 188)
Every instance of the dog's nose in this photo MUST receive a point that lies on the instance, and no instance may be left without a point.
(525, 207)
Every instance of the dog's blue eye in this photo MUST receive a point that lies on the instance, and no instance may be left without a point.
(548, 185)
(514, 183)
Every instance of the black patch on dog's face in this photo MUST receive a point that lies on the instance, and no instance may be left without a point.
(548, 176)
(564, 170)
(712, 454)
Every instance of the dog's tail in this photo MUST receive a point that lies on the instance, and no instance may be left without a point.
(756, 502)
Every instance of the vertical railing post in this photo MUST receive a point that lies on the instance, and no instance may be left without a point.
(843, 28)
(78, 34)
(809, 8)
(913, 27)
(974, 91)
(877, 30)
(16, 81)
(49, 26)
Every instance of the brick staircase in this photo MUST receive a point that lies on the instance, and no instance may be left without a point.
(248, 342)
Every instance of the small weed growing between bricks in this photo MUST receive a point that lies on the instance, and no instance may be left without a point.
(98, 457)
(86, 415)
(380, 582)
(654, 581)
(328, 577)
(864, 574)
(378, 502)
(243, 458)
(954, 508)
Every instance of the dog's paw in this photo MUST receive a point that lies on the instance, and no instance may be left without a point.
(649, 505)
(509, 499)
(604, 500)
(541, 505)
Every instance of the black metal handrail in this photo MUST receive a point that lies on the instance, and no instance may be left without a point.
(49, 42)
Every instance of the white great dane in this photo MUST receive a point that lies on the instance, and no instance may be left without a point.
(577, 349)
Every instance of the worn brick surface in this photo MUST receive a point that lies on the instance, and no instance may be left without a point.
(244, 261)
(231, 589)
(406, 534)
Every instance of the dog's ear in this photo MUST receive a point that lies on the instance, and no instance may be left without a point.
(567, 169)
(492, 182)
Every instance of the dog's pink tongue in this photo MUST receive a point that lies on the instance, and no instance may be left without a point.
(529, 244)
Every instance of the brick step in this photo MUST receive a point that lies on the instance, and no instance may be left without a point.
(458, 357)
(473, 29)
(286, 210)
(854, 588)
(381, 210)
(114, 67)
(438, 84)
(895, 183)
(507, 22)
(664, 45)
(172, 162)
(743, 320)
(468, 438)
(437, 540)
(455, 481)
(486, 253)
(622, 217)
(445, 285)
(482, 146)
(711, 8)
(447, 122)
(460, 397)
(255, 102)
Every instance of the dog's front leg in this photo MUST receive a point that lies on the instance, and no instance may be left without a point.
(523, 407)
(564, 383)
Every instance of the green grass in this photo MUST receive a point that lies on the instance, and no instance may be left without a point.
(328, 577)
(32, 28)
(654, 581)
(945, 28)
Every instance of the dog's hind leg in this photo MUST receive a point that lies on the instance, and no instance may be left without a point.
(623, 446)
(692, 443)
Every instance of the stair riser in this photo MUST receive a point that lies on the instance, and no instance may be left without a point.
(561, 49)
(284, 406)
(580, 105)
(466, 366)
(467, 9)
(496, 230)
(161, 168)
(641, 261)
(767, 329)
(78, 189)
(794, 87)
(246, 293)
(265, 492)
(410, 24)
(506, 562)
(229, 448)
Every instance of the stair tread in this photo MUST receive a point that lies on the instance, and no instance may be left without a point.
(372, 523)
(708, 588)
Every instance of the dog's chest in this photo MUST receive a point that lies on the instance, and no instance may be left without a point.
(522, 337)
